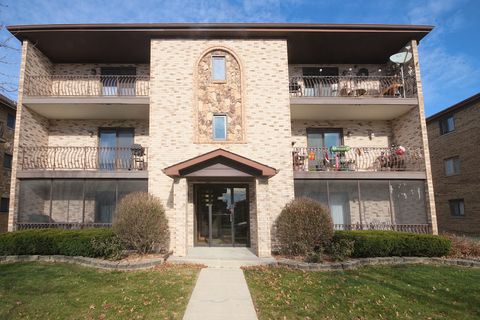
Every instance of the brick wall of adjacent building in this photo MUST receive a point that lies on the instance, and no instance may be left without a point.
(6, 147)
(464, 142)
(267, 124)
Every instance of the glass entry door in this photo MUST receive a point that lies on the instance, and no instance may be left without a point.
(222, 215)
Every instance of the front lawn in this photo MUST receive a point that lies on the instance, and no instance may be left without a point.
(61, 291)
(383, 292)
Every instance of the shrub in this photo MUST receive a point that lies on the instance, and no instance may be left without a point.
(86, 243)
(391, 243)
(141, 224)
(303, 226)
(314, 257)
(341, 249)
(463, 247)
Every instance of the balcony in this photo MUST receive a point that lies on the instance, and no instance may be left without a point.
(88, 96)
(358, 162)
(83, 162)
(351, 97)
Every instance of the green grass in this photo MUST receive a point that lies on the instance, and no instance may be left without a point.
(61, 291)
(396, 292)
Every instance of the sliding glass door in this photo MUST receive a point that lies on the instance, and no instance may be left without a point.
(115, 148)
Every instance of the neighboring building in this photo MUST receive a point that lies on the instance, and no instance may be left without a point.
(454, 138)
(225, 123)
(7, 128)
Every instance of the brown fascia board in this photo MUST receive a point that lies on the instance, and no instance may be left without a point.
(7, 102)
(174, 170)
(456, 107)
(266, 29)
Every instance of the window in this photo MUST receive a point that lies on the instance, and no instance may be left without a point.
(457, 207)
(220, 127)
(74, 200)
(11, 121)
(447, 124)
(218, 68)
(452, 166)
(7, 161)
(4, 204)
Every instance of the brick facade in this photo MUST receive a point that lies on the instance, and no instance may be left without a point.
(6, 148)
(464, 142)
(255, 98)
(267, 119)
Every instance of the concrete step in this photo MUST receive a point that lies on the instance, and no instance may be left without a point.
(223, 263)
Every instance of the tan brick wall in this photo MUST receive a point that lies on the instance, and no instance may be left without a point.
(430, 197)
(84, 133)
(359, 132)
(464, 142)
(31, 128)
(267, 119)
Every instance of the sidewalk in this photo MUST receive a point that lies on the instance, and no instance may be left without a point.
(220, 293)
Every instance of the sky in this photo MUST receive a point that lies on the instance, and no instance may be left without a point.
(449, 55)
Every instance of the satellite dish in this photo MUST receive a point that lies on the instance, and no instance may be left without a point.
(401, 57)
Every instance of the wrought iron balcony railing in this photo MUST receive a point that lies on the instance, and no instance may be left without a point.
(353, 86)
(358, 159)
(86, 85)
(414, 228)
(83, 158)
(60, 225)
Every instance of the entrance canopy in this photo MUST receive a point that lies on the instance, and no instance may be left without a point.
(220, 163)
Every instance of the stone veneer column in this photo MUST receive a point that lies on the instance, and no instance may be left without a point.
(430, 196)
(263, 241)
(180, 194)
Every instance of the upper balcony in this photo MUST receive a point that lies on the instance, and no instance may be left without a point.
(351, 92)
(359, 162)
(88, 96)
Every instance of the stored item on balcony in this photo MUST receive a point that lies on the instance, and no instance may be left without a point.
(345, 158)
(400, 59)
(395, 86)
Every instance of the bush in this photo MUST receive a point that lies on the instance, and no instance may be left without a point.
(463, 247)
(314, 257)
(141, 224)
(87, 243)
(341, 249)
(304, 226)
(391, 243)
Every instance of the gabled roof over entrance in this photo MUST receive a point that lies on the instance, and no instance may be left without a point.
(219, 163)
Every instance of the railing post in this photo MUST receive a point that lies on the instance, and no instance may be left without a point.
(84, 158)
(54, 156)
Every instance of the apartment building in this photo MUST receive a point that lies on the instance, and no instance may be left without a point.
(454, 137)
(225, 123)
(7, 127)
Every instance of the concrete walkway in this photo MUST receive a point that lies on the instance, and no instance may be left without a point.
(220, 293)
